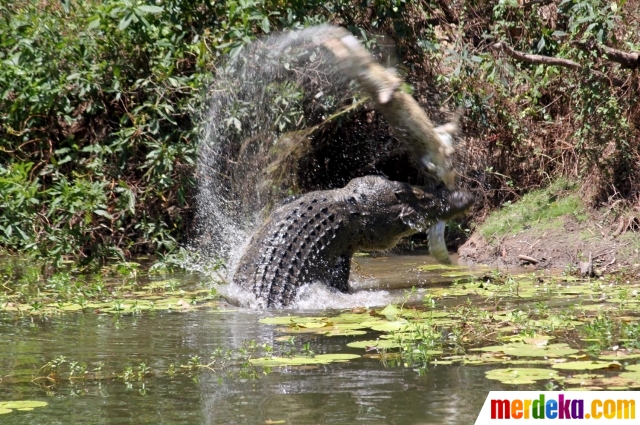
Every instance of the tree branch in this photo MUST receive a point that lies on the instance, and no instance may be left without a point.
(630, 60)
(537, 59)
(552, 61)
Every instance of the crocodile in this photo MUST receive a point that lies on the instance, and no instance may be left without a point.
(312, 237)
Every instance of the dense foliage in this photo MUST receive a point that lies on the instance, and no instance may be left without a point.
(99, 102)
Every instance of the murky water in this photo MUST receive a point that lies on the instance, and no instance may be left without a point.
(361, 391)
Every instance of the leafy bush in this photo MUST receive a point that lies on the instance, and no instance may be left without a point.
(97, 107)
(99, 103)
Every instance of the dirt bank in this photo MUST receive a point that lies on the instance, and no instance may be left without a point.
(564, 244)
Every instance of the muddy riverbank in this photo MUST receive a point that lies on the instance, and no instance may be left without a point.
(564, 243)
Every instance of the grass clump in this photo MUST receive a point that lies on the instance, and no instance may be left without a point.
(537, 209)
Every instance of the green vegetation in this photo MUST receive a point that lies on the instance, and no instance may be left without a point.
(559, 324)
(22, 405)
(577, 332)
(101, 100)
(122, 288)
(538, 209)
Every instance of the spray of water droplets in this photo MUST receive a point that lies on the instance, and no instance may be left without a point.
(264, 97)
(262, 107)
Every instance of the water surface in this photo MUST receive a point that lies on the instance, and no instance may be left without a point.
(361, 391)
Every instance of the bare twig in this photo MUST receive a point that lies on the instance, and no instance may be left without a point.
(536, 59)
(553, 61)
(629, 60)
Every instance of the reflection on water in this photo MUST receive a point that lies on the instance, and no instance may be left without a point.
(361, 391)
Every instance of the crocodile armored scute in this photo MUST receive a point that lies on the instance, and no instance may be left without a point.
(311, 238)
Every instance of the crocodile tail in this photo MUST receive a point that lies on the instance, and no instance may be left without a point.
(437, 247)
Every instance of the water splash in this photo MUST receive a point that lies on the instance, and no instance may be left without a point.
(315, 296)
(265, 105)
(262, 105)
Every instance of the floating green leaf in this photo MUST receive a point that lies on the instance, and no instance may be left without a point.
(342, 332)
(9, 406)
(518, 376)
(301, 360)
(338, 356)
(529, 350)
(286, 320)
(586, 365)
(390, 312)
(390, 326)
(378, 344)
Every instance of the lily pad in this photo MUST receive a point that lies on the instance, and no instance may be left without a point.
(353, 318)
(313, 325)
(517, 376)
(284, 320)
(607, 382)
(402, 336)
(586, 365)
(420, 314)
(342, 332)
(298, 361)
(9, 406)
(390, 326)
(529, 350)
(338, 356)
(346, 326)
(285, 361)
(390, 312)
(633, 376)
(379, 344)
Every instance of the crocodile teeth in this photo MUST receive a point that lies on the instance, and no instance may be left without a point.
(437, 247)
